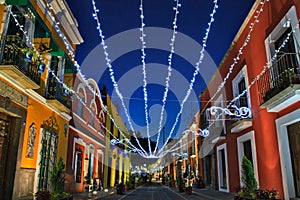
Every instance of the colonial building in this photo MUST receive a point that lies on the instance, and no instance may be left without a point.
(34, 109)
(117, 160)
(265, 79)
(86, 146)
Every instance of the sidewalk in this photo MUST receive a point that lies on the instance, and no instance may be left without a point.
(213, 194)
(93, 195)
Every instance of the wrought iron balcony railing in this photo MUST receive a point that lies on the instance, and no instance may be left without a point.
(55, 91)
(283, 73)
(11, 54)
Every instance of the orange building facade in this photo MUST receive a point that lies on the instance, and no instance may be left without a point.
(35, 109)
(270, 137)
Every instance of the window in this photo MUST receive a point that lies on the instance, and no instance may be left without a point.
(26, 18)
(248, 150)
(239, 86)
(223, 168)
(279, 34)
(286, 62)
(48, 157)
(243, 99)
(78, 165)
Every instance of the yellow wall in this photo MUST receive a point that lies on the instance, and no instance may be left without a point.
(107, 145)
(38, 113)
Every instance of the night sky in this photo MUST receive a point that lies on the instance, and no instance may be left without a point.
(120, 22)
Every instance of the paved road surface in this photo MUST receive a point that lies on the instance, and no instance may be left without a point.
(154, 192)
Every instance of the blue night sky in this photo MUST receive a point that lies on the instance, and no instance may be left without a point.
(120, 20)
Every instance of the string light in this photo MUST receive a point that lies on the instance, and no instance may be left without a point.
(201, 57)
(112, 77)
(69, 89)
(243, 111)
(142, 38)
(240, 52)
(176, 9)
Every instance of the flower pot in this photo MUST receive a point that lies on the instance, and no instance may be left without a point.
(41, 68)
(28, 57)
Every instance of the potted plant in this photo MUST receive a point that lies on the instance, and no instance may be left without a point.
(42, 195)
(180, 184)
(31, 56)
(57, 182)
(248, 180)
(200, 182)
(188, 190)
(67, 90)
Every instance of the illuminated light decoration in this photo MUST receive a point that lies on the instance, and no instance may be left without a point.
(205, 132)
(60, 32)
(257, 78)
(176, 9)
(72, 92)
(142, 38)
(240, 52)
(118, 141)
(201, 57)
(112, 77)
(242, 112)
(265, 67)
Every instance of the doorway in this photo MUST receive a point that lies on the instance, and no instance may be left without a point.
(294, 144)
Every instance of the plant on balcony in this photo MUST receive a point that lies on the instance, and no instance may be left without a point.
(31, 56)
(67, 90)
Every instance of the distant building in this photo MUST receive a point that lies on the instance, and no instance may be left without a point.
(117, 160)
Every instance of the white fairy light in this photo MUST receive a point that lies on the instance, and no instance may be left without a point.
(201, 57)
(71, 90)
(240, 52)
(142, 38)
(112, 77)
(244, 110)
(176, 9)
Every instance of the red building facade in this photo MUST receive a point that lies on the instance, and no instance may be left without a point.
(264, 57)
(86, 146)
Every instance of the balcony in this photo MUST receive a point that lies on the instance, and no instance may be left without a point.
(279, 86)
(242, 118)
(56, 97)
(13, 65)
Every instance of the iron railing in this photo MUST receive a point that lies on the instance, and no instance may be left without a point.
(11, 54)
(283, 73)
(55, 91)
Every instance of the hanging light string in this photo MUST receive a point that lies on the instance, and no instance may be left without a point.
(201, 57)
(240, 52)
(21, 27)
(265, 68)
(251, 27)
(60, 33)
(173, 148)
(142, 38)
(112, 77)
(172, 51)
